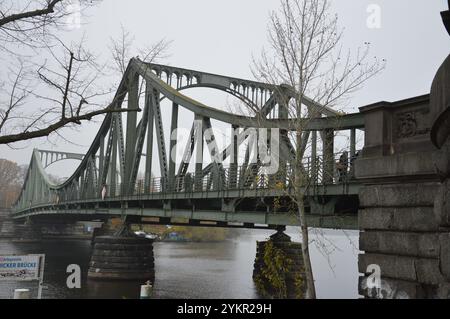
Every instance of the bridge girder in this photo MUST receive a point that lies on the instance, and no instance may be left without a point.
(110, 167)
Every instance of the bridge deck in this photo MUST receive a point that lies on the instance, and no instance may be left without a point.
(200, 207)
(246, 219)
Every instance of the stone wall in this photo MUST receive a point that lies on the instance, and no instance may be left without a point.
(400, 233)
(122, 258)
(404, 203)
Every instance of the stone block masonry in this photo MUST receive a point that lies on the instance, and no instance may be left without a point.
(122, 258)
(404, 213)
(401, 229)
(278, 269)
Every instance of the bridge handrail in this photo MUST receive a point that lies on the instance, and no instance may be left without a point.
(258, 180)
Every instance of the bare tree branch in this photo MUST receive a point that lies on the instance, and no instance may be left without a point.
(32, 23)
(49, 8)
(59, 124)
(68, 86)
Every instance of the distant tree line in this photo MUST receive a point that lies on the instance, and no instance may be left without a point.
(11, 179)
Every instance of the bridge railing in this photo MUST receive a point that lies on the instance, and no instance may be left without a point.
(252, 177)
(243, 178)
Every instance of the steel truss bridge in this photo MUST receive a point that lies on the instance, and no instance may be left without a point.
(106, 183)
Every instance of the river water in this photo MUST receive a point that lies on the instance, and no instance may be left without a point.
(195, 270)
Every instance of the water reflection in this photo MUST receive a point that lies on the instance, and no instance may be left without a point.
(194, 270)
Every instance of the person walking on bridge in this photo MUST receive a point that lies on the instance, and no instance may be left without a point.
(342, 167)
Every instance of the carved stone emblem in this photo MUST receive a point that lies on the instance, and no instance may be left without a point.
(407, 125)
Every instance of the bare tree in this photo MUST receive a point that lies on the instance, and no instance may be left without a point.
(11, 176)
(122, 50)
(33, 23)
(67, 88)
(10, 173)
(305, 54)
(28, 29)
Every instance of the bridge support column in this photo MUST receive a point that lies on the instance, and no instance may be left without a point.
(404, 204)
(279, 284)
(122, 258)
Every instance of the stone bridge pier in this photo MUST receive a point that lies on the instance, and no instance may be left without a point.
(118, 254)
(404, 215)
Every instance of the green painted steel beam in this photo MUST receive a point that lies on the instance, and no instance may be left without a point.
(340, 122)
(281, 219)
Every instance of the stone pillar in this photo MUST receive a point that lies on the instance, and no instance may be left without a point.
(122, 258)
(440, 137)
(278, 249)
(399, 228)
(404, 203)
(442, 211)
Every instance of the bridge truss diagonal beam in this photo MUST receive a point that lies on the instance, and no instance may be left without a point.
(115, 155)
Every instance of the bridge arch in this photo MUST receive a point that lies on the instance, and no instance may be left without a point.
(49, 157)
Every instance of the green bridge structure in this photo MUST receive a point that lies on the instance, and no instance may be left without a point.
(106, 183)
(395, 190)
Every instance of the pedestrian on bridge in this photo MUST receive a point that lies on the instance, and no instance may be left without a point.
(342, 167)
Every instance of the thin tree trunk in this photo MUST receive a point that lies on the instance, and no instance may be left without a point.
(310, 285)
(299, 182)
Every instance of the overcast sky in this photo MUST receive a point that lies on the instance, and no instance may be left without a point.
(221, 36)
